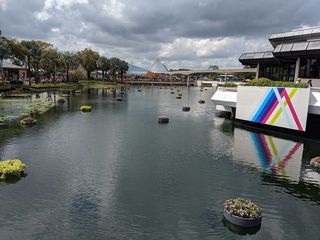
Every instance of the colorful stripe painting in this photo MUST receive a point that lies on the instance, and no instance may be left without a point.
(277, 102)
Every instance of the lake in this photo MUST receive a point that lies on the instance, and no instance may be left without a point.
(115, 173)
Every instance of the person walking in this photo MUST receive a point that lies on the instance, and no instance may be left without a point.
(310, 83)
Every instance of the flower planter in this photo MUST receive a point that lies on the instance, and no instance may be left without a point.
(185, 109)
(163, 119)
(243, 222)
(315, 162)
(86, 108)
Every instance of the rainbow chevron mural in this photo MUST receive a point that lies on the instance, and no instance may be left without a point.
(275, 106)
(277, 102)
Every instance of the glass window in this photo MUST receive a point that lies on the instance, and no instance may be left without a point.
(258, 55)
(268, 55)
(316, 30)
(249, 56)
(308, 31)
(278, 48)
(289, 34)
(300, 46)
(286, 47)
(314, 45)
(297, 33)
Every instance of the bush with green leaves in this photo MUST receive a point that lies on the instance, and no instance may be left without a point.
(227, 84)
(242, 208)
(77, 75)
(11, 169)
(266, 82)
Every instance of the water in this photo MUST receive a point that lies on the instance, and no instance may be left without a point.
(116, 173)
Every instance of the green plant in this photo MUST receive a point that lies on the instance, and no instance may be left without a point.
(227, 84)
(242, 208)
(11, 168)
(86, 108)
(315, 162)
(266, 82)
(77, 75)
(28, 122)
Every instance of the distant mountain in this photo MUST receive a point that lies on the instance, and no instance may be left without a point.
(136, 70)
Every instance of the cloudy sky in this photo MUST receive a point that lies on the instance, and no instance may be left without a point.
(182, 33)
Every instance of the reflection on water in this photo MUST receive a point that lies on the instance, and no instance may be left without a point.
(116, 174)
(272, 155)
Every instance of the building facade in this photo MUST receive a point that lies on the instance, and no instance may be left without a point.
(295, 54)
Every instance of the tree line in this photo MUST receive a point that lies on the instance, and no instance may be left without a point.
(43, 59)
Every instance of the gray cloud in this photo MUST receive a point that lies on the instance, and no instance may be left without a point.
(184, 33)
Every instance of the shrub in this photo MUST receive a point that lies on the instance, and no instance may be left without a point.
(242, 208)
(77, 75)
(11, 168)
(86, 108)
(266, 82)
(227, 84)
(28, 122)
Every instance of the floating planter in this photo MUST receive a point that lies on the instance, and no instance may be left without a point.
(315, 162)
(242, 212)
(172, 92)
(201, 90)
(3, 119)
(178, 97)
(178, 90)
(202, 101)
(10, 169)
(86, 108)
(139, 90)
(163, 119)
(61, 101)
(78, 91)
(185, 109)
(119, 99)
(28, 122)
(180, 94)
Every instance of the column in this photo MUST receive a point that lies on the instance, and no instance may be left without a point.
(188, 80)
(258, 71)
(296, 73)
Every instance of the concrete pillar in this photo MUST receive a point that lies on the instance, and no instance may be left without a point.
(188, 80)
(296, 73)
(258, 71)
(225, 77)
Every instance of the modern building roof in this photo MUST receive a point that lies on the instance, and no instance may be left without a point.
(295, 36)
(158, 67)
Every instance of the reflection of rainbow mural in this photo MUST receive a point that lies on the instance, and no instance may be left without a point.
(276, 102)
(271, 158)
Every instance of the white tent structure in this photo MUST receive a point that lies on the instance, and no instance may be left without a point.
(158, 67)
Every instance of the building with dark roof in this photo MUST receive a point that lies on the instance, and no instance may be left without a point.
(295, 54)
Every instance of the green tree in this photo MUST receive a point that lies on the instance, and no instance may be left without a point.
(88, 59)
(104, 65)
(4, 51)
(33, 52)
(124, 67)
(71, 61)
(52, 61)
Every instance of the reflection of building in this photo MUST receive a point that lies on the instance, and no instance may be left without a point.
(295, 54)
(14, 72)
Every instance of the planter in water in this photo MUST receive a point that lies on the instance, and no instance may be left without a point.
(28, 122)
(242, 212)
(185, 109)
(3, 119)
(61, 101)
(163, 119)
(172, 92)
(202, 101)
(11, 169)
(119, 99)
(78, 91)
(180, 94)
(315, 162)
(178, 97)
(86, 108)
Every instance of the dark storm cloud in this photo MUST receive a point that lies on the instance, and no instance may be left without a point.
(144, 30)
